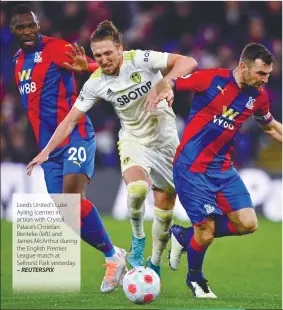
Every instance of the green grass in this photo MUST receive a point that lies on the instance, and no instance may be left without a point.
(244, 272)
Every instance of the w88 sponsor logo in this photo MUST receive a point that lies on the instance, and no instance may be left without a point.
(27, 88)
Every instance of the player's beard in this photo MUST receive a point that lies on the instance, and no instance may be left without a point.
(256, 85)
(28, 48)
(115, 71)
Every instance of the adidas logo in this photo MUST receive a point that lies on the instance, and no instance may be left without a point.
(209, 208)
(109, 92)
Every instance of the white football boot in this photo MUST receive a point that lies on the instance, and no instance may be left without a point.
(200, 289)
(114, 273)
(177, 249)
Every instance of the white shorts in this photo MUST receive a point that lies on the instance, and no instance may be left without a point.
(158, 163)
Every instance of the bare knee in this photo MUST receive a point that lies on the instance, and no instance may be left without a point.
(247, 226)
(75, 183)
(204, 233)
(164, 200)
(244, 220)
(206, 237)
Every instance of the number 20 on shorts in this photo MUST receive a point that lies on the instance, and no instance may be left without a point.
(77, 153)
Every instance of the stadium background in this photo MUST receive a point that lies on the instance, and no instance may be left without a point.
(245, 272)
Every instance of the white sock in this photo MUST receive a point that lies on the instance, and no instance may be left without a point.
(160, 233)
(115, 258)
(136, 219)
(137, 192)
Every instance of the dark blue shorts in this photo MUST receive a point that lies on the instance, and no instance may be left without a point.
(75, 158)
(210, 194)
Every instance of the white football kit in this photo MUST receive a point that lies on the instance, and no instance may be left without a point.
(148, 140)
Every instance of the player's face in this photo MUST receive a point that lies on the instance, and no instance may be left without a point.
(25, 27)
(257, 74)
(108, 55)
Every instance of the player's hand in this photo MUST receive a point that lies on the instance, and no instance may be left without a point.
(166, 94)
(162, 91)
(152, 102)
(38, 160)
(78, 60)
(150, 105)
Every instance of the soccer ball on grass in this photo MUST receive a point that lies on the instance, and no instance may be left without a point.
(141, 285)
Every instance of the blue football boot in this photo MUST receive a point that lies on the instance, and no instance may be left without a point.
(150, 265)
(135, 257)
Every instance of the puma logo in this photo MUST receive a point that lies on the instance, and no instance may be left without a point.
(220, 88)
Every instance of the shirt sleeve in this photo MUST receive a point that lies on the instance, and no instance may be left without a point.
(151, 60)
(198, 81)
(262, 114)
(86, 98)
(58, 50)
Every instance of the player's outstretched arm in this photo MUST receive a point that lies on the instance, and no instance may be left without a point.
(61, 133)
(274, 129)
(177, 66)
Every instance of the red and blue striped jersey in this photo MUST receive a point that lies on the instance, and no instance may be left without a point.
(218, 109)
(48, 90)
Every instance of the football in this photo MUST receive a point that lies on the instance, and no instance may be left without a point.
(141, 285)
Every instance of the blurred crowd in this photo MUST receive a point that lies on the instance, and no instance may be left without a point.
(214, 33)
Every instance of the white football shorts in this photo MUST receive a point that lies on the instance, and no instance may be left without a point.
(158, 163)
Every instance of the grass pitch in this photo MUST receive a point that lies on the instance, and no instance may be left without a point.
(244, 272)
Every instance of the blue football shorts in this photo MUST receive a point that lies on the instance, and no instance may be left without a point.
(210, 194)
(76, 157)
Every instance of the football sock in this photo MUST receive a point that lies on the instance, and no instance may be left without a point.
(224, 227)
(196, 252)
(93, 231)
(195, 255)
(160, 233)
(115, 258)
(137, 192)
(187, 235)
(136, 220)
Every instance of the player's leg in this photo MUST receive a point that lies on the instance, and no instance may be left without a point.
(53, 175)
(161, 162)
(196, 249)
(234, 200)
(92, 229)
(244, 220)
(135, 172)
(198, 199)
(136, 179)
(235, 221)
(224, 226)
(164, 203)
(76, 178)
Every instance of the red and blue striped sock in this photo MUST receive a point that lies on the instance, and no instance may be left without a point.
(224, 227)
(93, 231)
